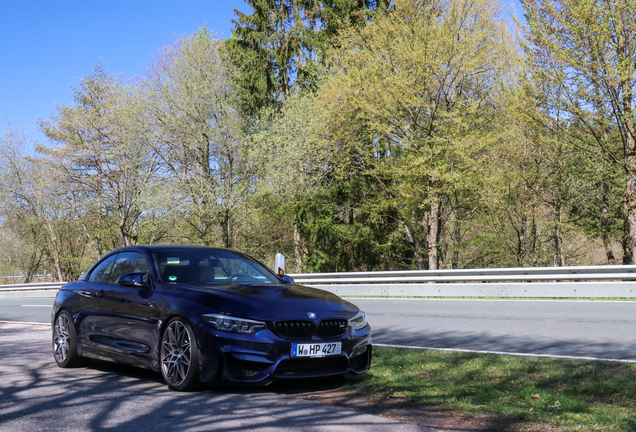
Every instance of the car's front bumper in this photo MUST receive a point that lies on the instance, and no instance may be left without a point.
(265, 356)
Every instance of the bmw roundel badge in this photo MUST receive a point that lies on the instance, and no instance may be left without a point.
(312, 315)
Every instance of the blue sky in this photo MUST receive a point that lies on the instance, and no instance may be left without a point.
(47, 45)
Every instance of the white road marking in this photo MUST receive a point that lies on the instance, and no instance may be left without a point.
(48, 306)
(509, 353)
(24, 322)
(541, 299)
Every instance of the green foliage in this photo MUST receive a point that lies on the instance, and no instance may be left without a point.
(583, 55)
(102, 152)
(415, 115)
(348, 135)
(276, 48)
(33, 206)
(200, 141)
(346, 235)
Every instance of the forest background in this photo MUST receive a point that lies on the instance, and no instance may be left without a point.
(349, 135)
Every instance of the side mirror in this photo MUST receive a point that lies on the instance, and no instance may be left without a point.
(136, 280)
(286, 279)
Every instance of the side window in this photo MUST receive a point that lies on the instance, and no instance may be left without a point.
(127, 262)
(103, 270)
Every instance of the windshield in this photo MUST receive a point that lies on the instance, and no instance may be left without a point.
(210, 267)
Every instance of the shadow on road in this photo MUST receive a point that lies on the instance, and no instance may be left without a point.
(482, 341)
(37, 395)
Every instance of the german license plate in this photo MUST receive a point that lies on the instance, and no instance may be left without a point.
(316, 350)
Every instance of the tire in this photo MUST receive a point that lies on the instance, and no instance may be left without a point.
(65, 342)
(179, 356)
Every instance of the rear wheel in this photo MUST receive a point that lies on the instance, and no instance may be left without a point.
(65, 342)
(179, 356)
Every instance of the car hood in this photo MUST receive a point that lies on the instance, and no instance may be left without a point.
(271, 302)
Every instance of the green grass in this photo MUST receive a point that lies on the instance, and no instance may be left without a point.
(571, 395)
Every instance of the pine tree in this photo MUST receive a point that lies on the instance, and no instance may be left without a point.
(277, 47)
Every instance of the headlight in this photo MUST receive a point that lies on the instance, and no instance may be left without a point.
(358, 322)
(234, 325)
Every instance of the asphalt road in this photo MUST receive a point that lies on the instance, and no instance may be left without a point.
(600, 329)
(26, 309)
(565, 328)
(36, 395)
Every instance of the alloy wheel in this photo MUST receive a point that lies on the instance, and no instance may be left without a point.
(176, 353)
(61, 341)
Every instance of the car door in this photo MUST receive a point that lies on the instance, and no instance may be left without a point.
(91, 293)
(125, 320)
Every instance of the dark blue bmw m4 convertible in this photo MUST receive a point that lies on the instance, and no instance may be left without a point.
(204, 315)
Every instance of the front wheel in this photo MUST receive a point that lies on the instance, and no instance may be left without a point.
(65, 342)
(179, 356)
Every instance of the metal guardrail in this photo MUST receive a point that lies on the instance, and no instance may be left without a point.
(608, 281)
(588, 281)
(627, 272)
(38, 289)
(32, 286)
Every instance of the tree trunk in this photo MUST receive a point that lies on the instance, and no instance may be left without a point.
(630, 193)
(626, 240)
(54, 251)
(630, 188)
(533, 233)
(457, 239)
(297, 253)
(605, 220)
(226, 229)
(605, 183)
(122, 230)
(559, 260)
(630, 147)
(630, 200)
(416, 244)
(34, 264)
(431, 238)
(229, 234)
